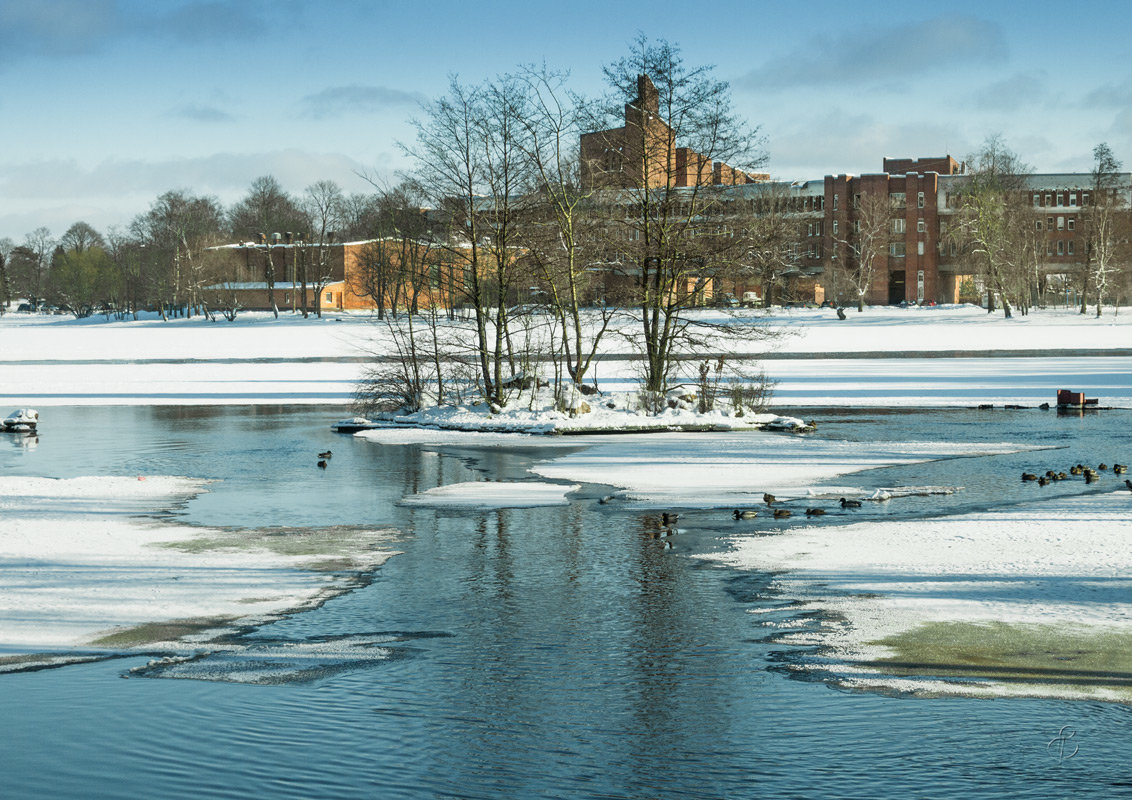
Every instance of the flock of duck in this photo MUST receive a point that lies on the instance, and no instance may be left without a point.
(1091, 475)
(323, 458)
(781, 513)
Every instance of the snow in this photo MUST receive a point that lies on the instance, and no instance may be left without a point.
(693, 471)
(1062, 563)
(79, 561)
(52, 360)
(493, 494)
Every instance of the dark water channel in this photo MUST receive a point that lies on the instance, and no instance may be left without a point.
(551, 652)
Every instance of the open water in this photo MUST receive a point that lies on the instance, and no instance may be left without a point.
(552, 652)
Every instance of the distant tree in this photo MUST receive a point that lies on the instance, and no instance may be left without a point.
(84, 279)
(994, 225)
(869, 238)
(177, 227)
(266, 209)
(768, 232)
(80, 237)
(31, 264)
(5, 283)
(1106, 227)
(323, 204)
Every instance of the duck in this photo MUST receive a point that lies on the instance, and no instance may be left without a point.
(327, 454)
(850, 503)
(322, 464)
(606, 500)
(1043, 481)
(1061, 476)
(1128, 483)
(768, 498)
(814, 512)
(669, 518)
(780, 513)
(744, 513)
(1119, 469)
(1075, 469)
(1102, 467)
(1091, 477)
(1029, 476)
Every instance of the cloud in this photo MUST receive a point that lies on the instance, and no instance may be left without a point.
(883, 55)
(1118, 95)
(57, 28)
(57, 192)
(338, 101)
(198, 112)
(1023, 90)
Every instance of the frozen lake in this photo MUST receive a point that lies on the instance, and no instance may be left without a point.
(559, 650)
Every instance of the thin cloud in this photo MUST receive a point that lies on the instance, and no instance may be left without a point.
(1118, 95)
(197, 112)
(59, 28)
(884, 55)
(338, 101)
(1012, 93)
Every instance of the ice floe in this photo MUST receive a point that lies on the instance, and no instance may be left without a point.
(494, 494)
(83, 563)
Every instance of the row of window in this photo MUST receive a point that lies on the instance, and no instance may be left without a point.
(1068, 198)
(1063, 223)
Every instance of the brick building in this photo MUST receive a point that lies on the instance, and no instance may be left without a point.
(643, 153)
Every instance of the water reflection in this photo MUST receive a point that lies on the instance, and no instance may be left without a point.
(561, 651)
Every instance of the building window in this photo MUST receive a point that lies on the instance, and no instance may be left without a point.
(835, 202)
(1049, 223)
(921, 226)
(1069, 247)
(1061, 223)
(835, 227)
(1060, 247)
(898, 199)
(898, 225)
(896, 250)
(1049, 248)
(919, 248)
(1049, 198)
(1037, 199)
(920, 200)
(330, 297)
(1069, 223)
(811, 229)
(1060, 198)
(1084, 198)
(1039, 225)
(1073, 199)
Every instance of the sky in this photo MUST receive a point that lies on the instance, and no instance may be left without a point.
(106, 104)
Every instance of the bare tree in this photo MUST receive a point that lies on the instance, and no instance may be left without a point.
(322, 203)
(769, 232)
(994, 223)
(1105, 226)
(676, 241)
(469, 163)
(174, 231)
(868, 243)
(561, 235)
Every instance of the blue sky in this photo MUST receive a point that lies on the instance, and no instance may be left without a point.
(105, 104)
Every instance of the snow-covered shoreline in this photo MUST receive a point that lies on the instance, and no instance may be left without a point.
(258, 359)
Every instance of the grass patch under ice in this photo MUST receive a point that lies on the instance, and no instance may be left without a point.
(1042, 656)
